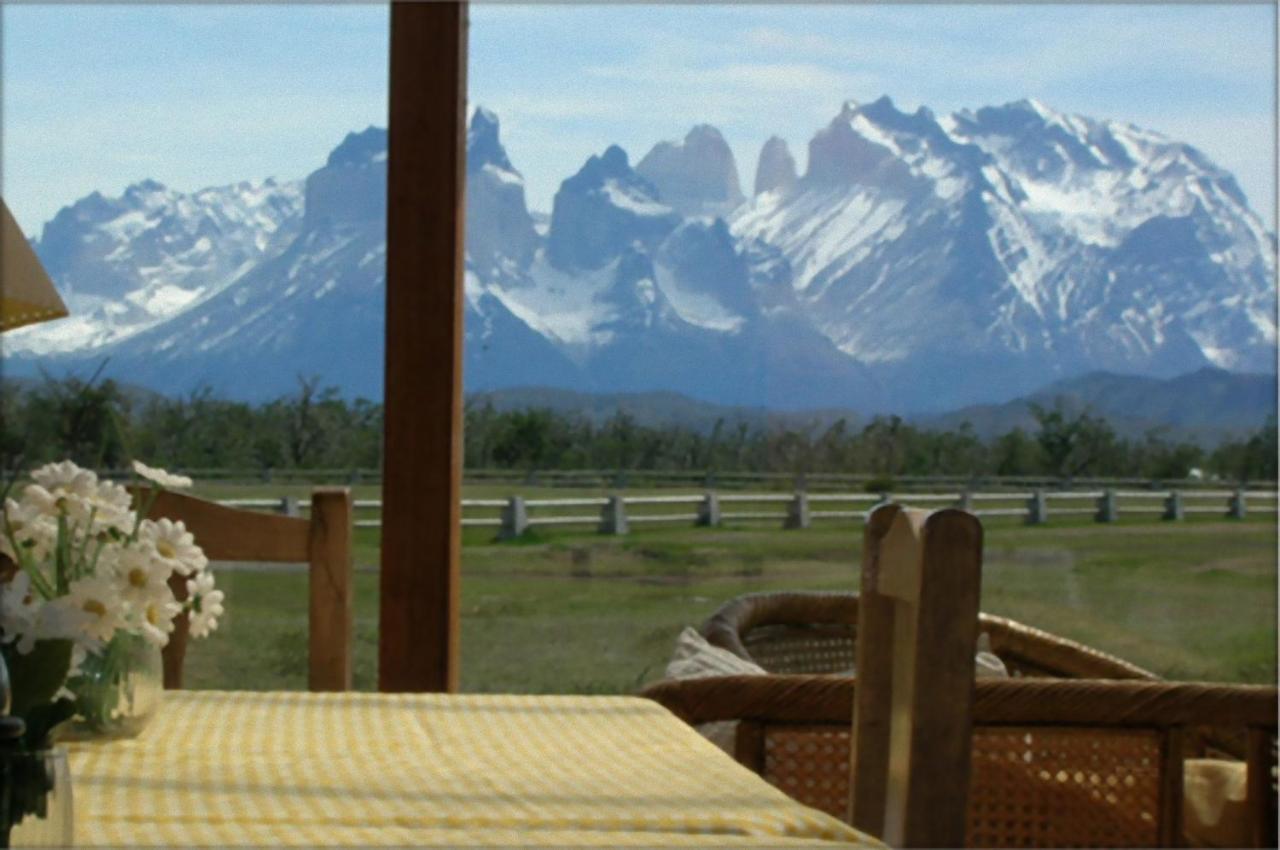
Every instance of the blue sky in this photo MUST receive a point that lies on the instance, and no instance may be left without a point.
(98, 97)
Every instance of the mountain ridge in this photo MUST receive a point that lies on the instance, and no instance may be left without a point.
(920, 263)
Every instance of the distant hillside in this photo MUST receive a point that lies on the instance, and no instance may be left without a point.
(1205, 406)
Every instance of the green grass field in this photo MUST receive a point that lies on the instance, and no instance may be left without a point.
(574, 612)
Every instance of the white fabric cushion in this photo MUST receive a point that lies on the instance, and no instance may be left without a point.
(694, 658)
(986, 664)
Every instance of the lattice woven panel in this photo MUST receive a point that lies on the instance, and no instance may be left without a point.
(811, 764)
(1064, 787)
(801, 649)
(1030, 787)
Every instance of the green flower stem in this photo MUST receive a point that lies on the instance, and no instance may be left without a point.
(97, 553)
(62, 556)
(38, 581)
(153, 493)
(78, 565)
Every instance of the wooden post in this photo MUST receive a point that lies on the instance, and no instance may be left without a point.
(422, 443)
(1107, 506)
(613, 516)
(1171, 789)
(709, 510)
(1037, 509)
(1260, 795)
(515, 519)
(913, 707)
(1236, 506)
(798, 511)
(1173, 506)
(331, 590)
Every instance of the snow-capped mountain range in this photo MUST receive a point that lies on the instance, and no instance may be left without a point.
(919, 263)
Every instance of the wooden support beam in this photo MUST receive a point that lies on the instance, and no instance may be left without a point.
(422, 444)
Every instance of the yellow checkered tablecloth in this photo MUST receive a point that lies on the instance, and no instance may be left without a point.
(359, 769)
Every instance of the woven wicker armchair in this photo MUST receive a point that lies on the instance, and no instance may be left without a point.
(1078, 749)
(816, 633)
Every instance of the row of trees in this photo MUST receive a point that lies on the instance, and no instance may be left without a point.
(98, 423)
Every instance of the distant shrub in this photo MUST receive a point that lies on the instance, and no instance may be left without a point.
(883, 484)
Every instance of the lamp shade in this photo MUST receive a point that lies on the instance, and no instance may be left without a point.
(27, 295)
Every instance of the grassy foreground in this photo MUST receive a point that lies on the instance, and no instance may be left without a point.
(573, 612)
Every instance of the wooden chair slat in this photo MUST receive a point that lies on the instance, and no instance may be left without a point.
(232, 534)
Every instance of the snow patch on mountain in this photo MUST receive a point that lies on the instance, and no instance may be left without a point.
(127, 264)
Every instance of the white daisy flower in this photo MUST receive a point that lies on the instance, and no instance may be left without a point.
(99, 598)
(35, 530)
(142, 575)
(174, 546)
(157, 620)
(80, 496)
(65, 618)
(161, 477)
(19, 611)
(206, 604)
(65, 477)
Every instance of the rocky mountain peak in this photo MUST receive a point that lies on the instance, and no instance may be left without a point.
(483, 144)
(501, 239)
(352, 185)
(843, 153)
(776, 168)
(360, 149)
(603, 209)
(697, 176)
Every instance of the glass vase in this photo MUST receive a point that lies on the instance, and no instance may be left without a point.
(35, 798)
(116, 691)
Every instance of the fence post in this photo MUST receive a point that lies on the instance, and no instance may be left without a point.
(709, 510)
(1173, 506)
(1107, 506)
(798, 511)
(515, 519)
(613, 516)
(966, 501)
(1037, 509)
(289, 505)
(1236, 507)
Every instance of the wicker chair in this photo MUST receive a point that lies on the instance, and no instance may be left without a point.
(1078, 749)
(817, 632)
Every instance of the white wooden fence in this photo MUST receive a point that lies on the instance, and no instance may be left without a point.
(615, 514)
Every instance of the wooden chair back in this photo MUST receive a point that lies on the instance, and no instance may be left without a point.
(323, 541)
(913, 711)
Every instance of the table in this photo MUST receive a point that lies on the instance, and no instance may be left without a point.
(359, 769)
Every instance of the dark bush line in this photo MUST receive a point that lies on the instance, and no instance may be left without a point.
(99, 424)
